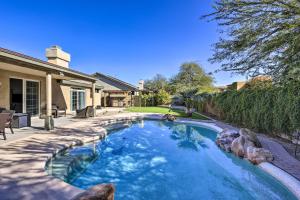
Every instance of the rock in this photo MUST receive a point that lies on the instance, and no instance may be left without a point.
(259, 155)
(250, 135)
(225, 138)
(237, 146)
(169, 117)
(98, 192)
(244, 144)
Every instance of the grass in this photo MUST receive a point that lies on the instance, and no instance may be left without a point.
(162, 110)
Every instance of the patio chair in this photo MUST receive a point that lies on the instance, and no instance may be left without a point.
(85, 112)
(4, 118)
(10, 121)
(56, 111)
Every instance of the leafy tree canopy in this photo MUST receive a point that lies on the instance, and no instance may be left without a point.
(259, 37)
(191, 77)
(158, 82)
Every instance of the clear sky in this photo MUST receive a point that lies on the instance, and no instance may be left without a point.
(128, 39)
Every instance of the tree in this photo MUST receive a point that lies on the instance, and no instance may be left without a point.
(187, 95)
(260, 36)
(191, 77)
(158, 82)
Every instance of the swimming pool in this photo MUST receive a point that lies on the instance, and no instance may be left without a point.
(155, 159)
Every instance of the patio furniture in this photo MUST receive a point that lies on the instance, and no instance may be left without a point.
(85, 112)
(4, 118)
(56, 111)
(21, 120)
(9, 122)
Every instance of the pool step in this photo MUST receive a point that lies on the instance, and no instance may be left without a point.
(68, 165)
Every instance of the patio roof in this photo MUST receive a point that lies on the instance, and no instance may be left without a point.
(111, 83)
(37, 64)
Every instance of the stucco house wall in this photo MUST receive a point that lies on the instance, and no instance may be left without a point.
(4, 87)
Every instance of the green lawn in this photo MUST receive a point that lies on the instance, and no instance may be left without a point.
(162, 110)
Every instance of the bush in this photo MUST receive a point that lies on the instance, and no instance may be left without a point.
(153, 99)
(162, 97)
(265, 108)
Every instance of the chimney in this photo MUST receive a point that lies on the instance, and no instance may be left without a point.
(141, 85)
(57, 56)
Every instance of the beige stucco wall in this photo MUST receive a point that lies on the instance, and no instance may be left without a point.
(61, 96)
(5, 75)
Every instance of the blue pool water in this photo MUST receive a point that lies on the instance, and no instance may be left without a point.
(157, 160)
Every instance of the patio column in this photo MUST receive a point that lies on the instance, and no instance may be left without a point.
(93, 98)
(104, 99)
(100, 93)
(49, 123)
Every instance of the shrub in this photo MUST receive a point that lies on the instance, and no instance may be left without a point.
(265, 108)
(162, 97)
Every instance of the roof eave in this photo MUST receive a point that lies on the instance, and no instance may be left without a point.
(42, 65)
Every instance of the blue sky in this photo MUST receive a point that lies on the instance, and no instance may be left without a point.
(128, 39)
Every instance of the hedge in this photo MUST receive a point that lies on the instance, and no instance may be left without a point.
(270, 109)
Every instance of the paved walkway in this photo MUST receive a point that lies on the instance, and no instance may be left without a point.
(282, 158)
(22, 161)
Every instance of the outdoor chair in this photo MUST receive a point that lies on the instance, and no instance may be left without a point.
(56, 111)
(85, 112)
(10, 121)
(4, 118)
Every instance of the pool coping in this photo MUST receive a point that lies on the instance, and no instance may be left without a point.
(291, 183)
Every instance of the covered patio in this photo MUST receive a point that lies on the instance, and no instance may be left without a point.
(32, 86)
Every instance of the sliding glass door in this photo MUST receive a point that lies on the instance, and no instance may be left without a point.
(24, 96)
(77, 99)
(32, 97)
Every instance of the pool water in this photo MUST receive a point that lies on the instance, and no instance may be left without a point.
(158, 160)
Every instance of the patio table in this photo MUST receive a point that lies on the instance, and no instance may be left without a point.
(21, 120)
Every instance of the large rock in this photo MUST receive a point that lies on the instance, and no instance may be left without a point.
(259, 155)
(169, 117)
(250, 135)
(244, 144)
(239, 146)
(225, 139)
(98, 192)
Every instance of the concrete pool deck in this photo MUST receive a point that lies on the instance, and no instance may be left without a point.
(22, 161)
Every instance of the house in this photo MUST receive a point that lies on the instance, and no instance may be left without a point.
(116, 93)
(30, 85)
(236, 85)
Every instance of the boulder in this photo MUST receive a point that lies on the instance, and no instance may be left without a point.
(169, 117)
(237, 146)
(98, 192)
(225, 138)
(250, 135)
(259, 155)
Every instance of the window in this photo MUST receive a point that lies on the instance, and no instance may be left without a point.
(77, 99)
